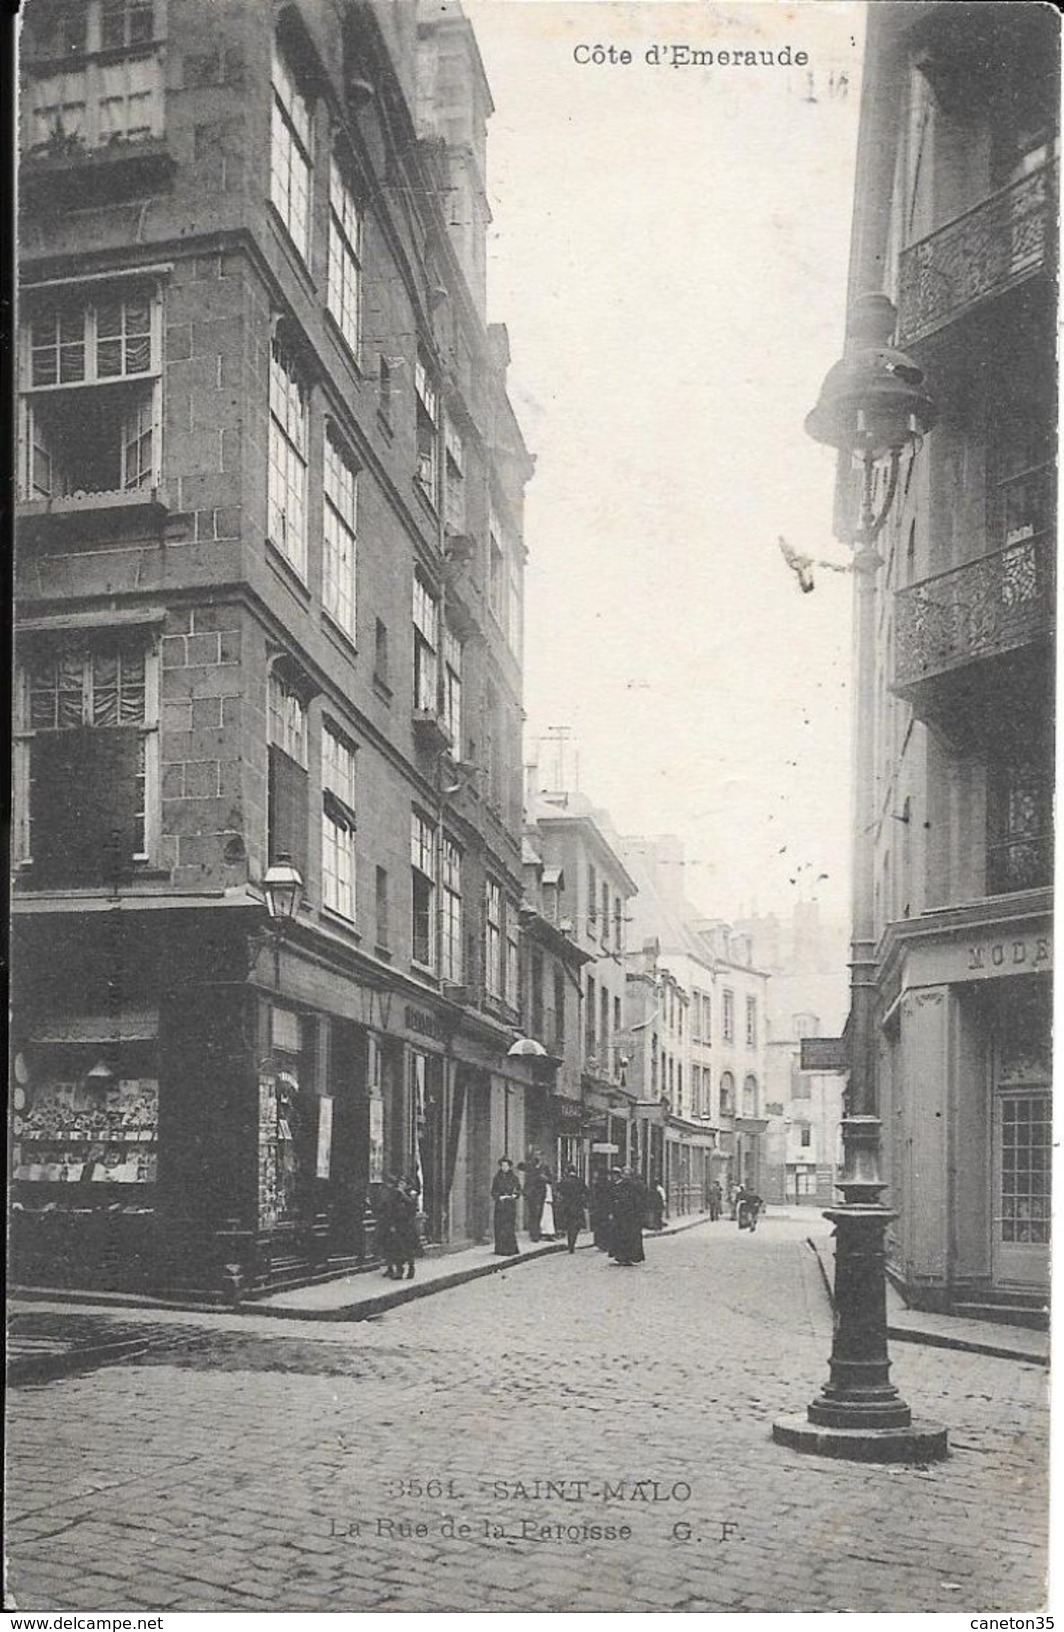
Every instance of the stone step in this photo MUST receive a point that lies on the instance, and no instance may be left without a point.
(1034, 1318)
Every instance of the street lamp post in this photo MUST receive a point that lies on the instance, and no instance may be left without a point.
(282, 890)
(872, 406)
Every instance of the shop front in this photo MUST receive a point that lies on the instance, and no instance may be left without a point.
(688, 1164)
(966, 1102)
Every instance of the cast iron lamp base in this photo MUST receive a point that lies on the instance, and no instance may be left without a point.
(858, 1413)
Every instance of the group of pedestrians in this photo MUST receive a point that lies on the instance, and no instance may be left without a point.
(552, 1209)
(620, 1206)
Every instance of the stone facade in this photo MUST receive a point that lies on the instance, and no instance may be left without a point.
(269, 572)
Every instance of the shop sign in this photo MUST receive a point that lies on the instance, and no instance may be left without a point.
(1007, 956)
(325, 1127)
(603, 1147)
(425, 1025)
(824, 1054)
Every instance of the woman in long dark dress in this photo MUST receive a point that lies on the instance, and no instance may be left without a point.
(629, 1211)
(505, 1190)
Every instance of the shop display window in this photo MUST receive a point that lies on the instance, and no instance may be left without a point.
(84, 1117)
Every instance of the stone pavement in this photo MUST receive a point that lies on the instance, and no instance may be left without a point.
(393, 1464)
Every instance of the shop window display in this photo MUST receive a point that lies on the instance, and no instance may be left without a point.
(87, 1120)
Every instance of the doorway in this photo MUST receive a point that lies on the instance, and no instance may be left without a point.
(1022, 1142)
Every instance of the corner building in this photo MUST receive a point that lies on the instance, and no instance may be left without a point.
(268, 603)
(956, 219)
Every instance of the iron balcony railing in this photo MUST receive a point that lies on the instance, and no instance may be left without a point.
(999, 243)
(983, 609)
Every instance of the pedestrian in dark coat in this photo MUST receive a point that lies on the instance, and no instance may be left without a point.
(570, 1205)
(535, 1196)
(599, 1205)
(404, 1239)
(505, 1190)
(656, 1207)
(716, 1199)
(629, 1211)
(385, 1209)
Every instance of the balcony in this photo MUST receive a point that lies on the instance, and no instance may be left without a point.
(985, 610)
(430, 731)
(1003, 241)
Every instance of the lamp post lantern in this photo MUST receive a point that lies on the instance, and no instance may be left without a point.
(282, 886)
(873, 406)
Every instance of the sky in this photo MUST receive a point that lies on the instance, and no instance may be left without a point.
(669, 252)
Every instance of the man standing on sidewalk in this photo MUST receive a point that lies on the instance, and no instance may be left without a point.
(570, 1205)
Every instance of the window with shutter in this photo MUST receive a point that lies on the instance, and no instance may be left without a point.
(86, 759)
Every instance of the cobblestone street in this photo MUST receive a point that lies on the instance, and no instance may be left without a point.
(393, 1464)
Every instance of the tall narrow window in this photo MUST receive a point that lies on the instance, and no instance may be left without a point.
(290, 154)
(512, 993)
(452, 688)
(380, 652)
(287, 488)
(728, 1017)
(496, 570)
(344, 291)
(426, 648)
(384, 390)
(287, 807)
(751, 1022)
(558, 1031)
(493, 964)
(1019, 825)
(340, 519)
(337, 823)
(589, 1018)
(428, 429)
(423, 871)
(454, 479)
(384, 932)
(451, 916)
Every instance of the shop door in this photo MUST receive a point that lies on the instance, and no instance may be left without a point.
(1022, 1160)
(1022, 1135)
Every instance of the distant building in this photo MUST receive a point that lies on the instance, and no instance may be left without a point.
(593, 892)
(556, 1119)
(956, 219)
(721, 1056)
(805, 958)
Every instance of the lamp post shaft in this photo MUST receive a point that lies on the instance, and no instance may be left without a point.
(859, 1413)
